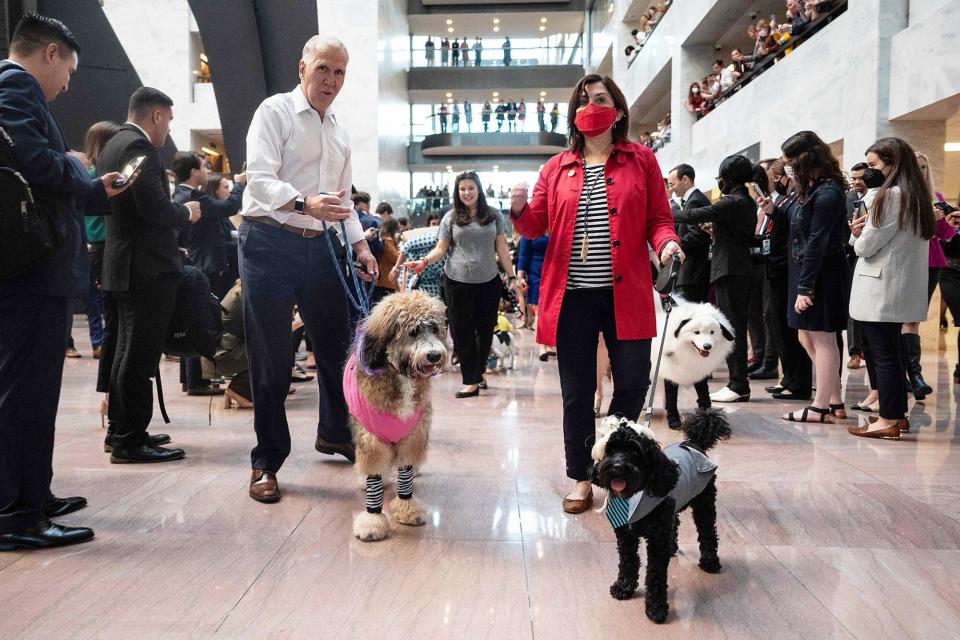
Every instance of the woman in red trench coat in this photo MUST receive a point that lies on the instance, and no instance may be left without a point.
(602, 202)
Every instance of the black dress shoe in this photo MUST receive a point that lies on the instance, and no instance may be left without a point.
(152, 440)
(205, 390)
(790, 395)
(144, 454)
(774, 389)
(763, 374)
(43, 536)
(483, 384)
(674, 423)
(62, 506)
(467, 394)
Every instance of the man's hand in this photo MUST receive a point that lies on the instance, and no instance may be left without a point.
(111, 177)
(82, 157)
(194, 208)
(518, 197)
(240, 178)
(371, 234)
(672, 248)
(326, 208)
(367, 260)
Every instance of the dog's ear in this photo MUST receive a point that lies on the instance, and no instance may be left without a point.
(664, 472)
(676, 334)
(726, 331)
(595, 474)
(374, 350)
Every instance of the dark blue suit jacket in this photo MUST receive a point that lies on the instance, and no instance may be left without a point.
(204, 238)
(368, 221)
(39, 153)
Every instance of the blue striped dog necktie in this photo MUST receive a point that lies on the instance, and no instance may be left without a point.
(618, 512)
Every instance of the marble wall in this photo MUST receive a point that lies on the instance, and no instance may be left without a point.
(156, 37)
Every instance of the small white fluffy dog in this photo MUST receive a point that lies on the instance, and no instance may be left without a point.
(697, 341)
(386, 384)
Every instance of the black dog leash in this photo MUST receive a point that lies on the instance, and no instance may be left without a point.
(666, 280)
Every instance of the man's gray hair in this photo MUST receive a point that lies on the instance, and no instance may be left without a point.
(319, 43)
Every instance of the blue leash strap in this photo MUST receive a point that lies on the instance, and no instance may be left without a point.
(358, 296)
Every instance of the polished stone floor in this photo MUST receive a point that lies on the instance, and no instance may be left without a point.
(822, 534)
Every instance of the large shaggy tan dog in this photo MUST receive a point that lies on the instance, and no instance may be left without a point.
(387, 387)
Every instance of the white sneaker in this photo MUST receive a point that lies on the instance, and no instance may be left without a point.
(728, 395)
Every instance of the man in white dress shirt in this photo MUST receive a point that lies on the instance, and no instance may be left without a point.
(298, 182)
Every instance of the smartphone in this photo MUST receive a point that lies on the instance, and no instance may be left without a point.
(758, 190)
(128, 171)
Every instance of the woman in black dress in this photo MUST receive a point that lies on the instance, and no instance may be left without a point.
(818, 294)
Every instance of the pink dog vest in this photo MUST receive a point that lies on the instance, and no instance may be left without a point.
(386, 426)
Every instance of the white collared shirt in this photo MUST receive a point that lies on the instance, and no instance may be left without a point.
(292, 152)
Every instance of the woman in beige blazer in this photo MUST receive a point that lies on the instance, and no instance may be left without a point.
(890, 280)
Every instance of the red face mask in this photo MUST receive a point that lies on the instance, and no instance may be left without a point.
(595, 120)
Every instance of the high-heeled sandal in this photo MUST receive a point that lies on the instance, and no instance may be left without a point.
(838, 411)
(823, 414)
(231, 397)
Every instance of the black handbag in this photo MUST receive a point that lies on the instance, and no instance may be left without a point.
(29, 233)
(196, 326)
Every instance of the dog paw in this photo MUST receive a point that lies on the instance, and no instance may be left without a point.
(710, 564)
(621, 591)
(410, 512)
(658, 612)
(370, 527)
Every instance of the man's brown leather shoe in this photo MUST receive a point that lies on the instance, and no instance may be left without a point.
(332, 448)
(264, 486)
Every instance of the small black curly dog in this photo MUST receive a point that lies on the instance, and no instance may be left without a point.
(647, 487)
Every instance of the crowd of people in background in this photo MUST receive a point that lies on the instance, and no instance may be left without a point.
(498, 115)
(767, 38)
(455, 53)
(647, 23)
(657, 139)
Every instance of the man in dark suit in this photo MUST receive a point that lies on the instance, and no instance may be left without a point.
(854, 331)
(34, 307)
(141, 271)
(693, 280)
(205, 246)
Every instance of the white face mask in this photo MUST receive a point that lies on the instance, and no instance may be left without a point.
(788, 171)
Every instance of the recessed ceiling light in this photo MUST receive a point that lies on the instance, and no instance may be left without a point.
(449, 100)
(543, 19)
(449, 21)
(449, 95)
(496, 93)
(951, 147)
(496, 28)
(543, 94)
(449, 168)
(496, 21)
(449, 29)
(496, 167)
(542, 28)
(496, 99)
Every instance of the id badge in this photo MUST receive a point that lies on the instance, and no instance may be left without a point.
(765, 247)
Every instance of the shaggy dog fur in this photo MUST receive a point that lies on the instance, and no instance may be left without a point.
(399, 348)
(697, 341)
(629, 454)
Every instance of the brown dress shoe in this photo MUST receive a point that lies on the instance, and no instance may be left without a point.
(903, 423)
(578, 506)
(264, 486)
(345, 449)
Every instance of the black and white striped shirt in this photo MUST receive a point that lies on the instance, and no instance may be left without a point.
(597, 270)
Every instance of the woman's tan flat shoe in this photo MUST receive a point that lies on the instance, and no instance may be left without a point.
(571, 505)
(903, 423)
(889, 433)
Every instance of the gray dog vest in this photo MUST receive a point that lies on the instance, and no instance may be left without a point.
(696, 471)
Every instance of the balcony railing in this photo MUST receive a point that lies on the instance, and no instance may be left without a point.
(646, 36)
(499, 57)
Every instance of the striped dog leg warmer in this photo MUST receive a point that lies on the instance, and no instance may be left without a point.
(405, 482)
(374, 494)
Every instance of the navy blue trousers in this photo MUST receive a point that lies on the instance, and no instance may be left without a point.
(33, 337)
(278, 270)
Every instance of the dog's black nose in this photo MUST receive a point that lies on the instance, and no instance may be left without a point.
(434, 357)
(707, 347)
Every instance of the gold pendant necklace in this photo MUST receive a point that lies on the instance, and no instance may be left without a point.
(584, 248)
